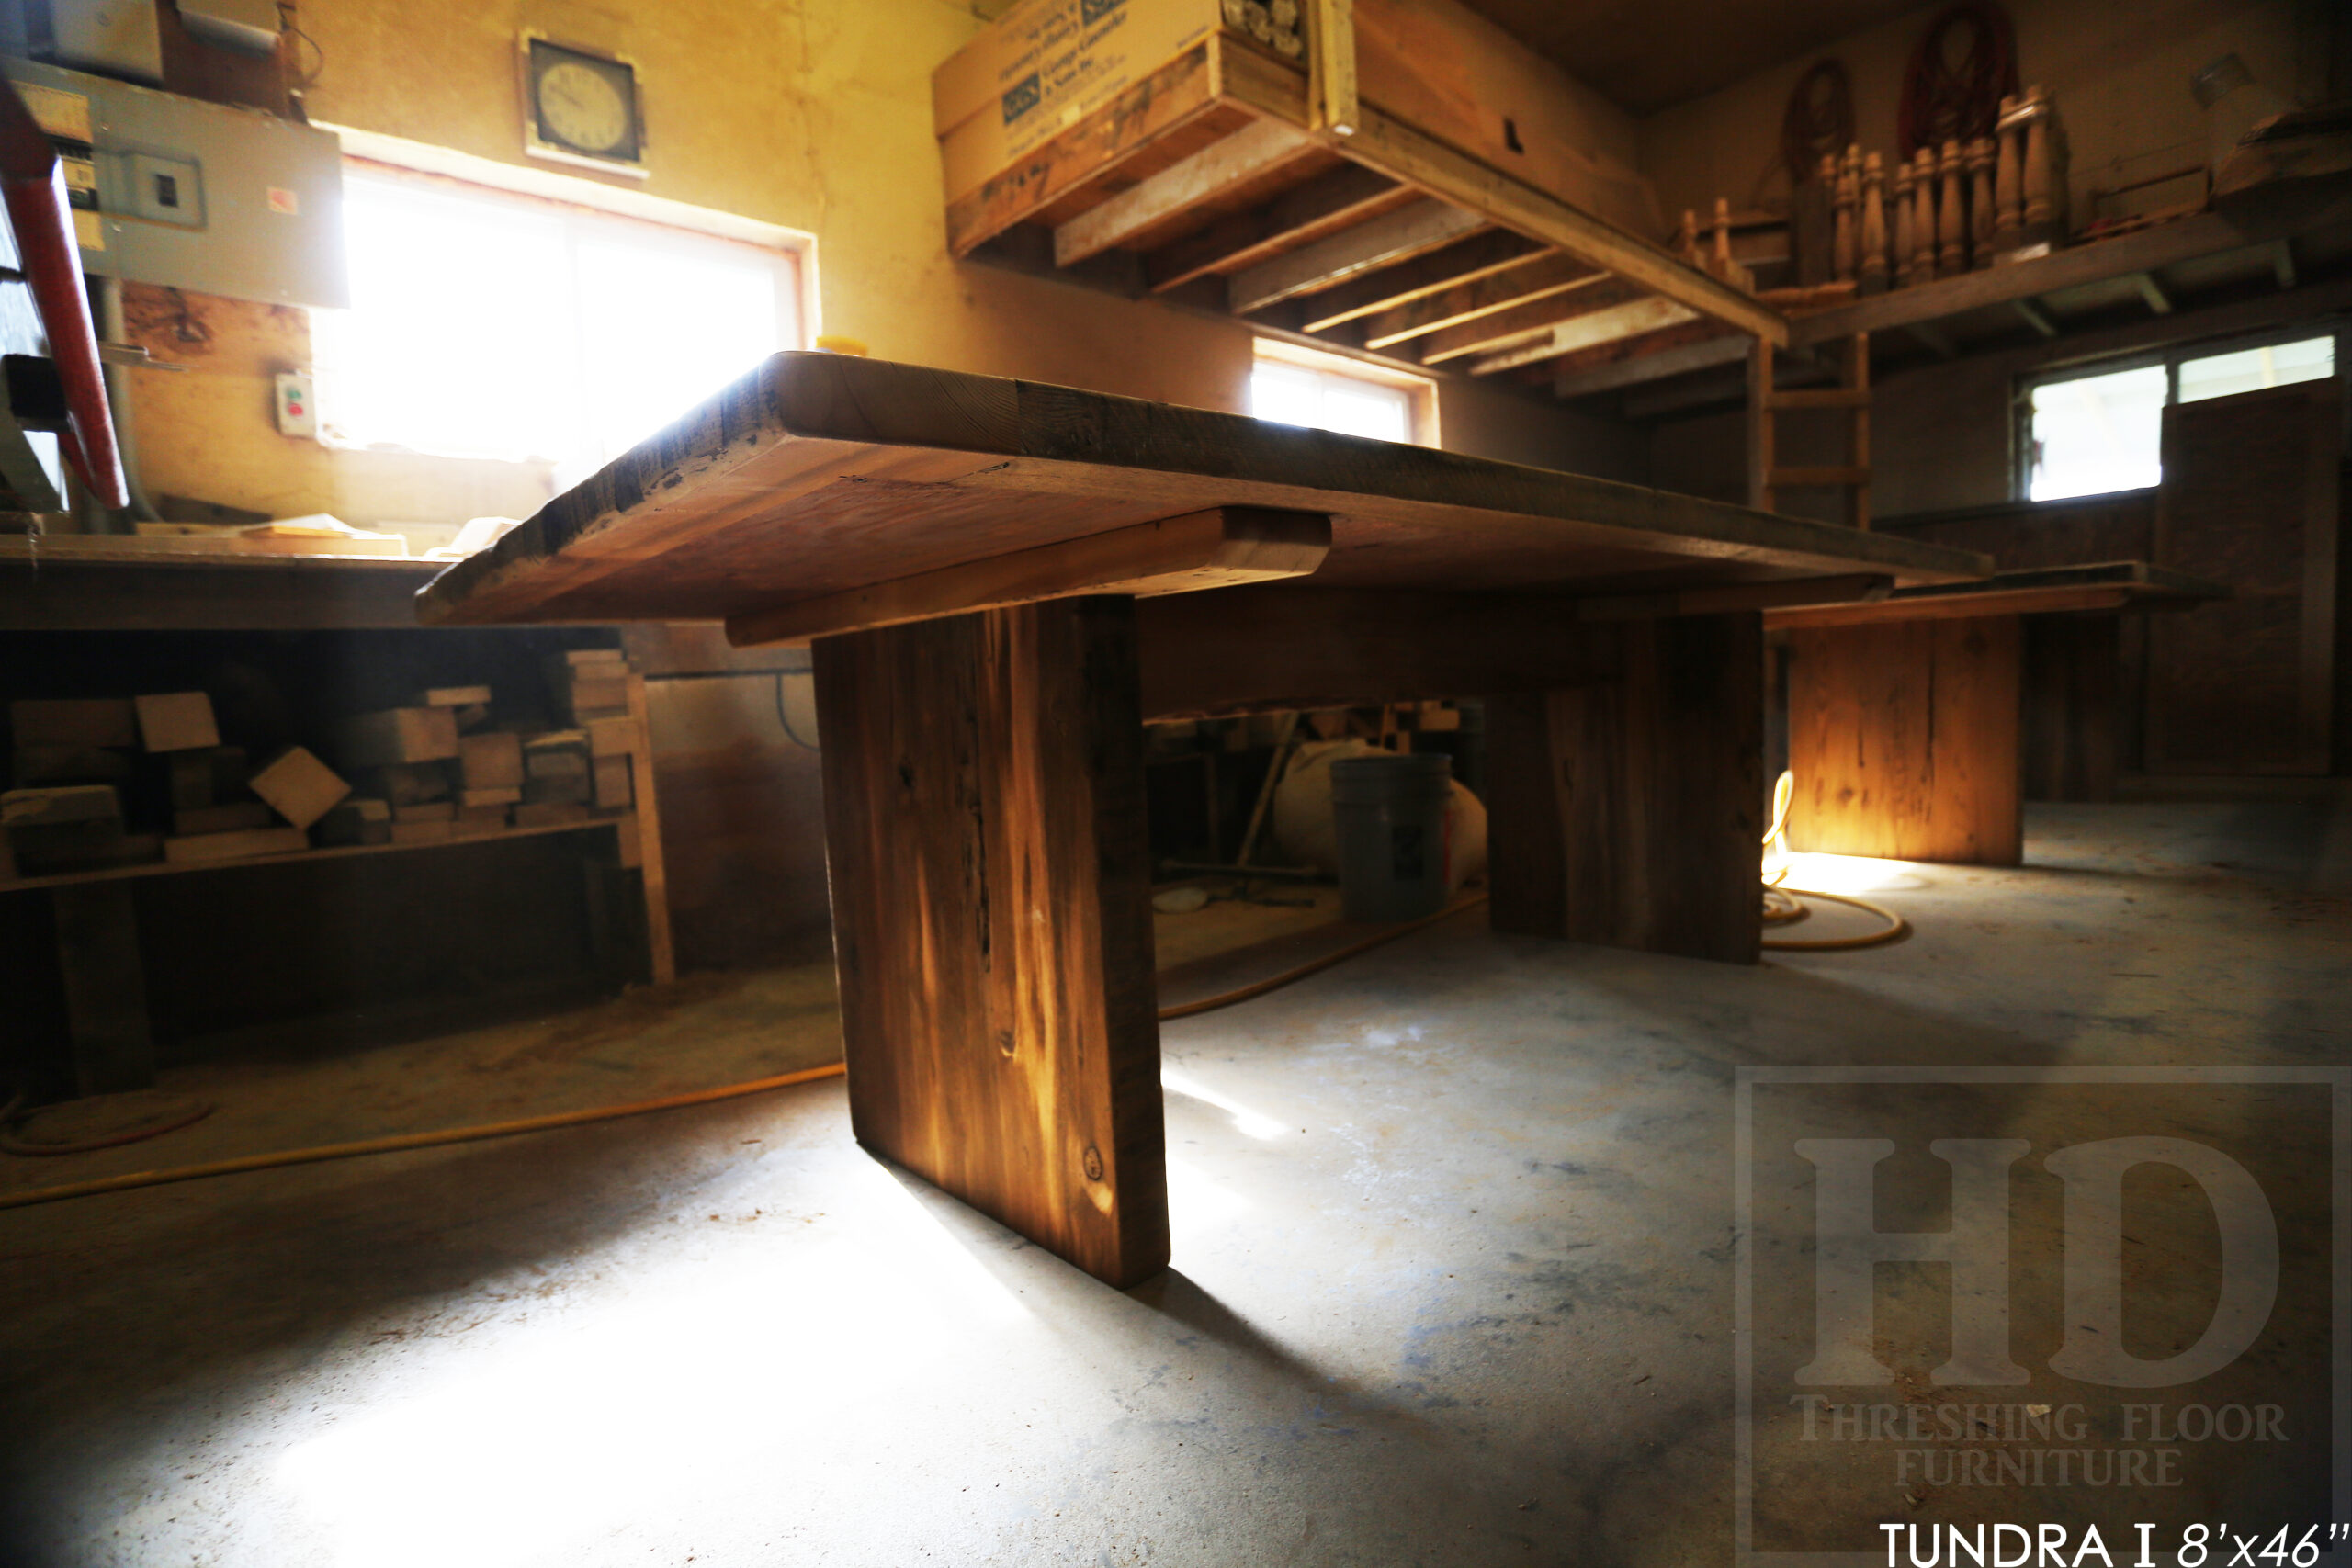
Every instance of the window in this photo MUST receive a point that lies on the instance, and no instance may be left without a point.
(487, 324)
(2087, 433)
(1298, 386)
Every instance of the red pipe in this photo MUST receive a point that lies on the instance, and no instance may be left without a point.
(32, 187)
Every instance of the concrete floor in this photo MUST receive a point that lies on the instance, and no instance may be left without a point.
(1453, 1284)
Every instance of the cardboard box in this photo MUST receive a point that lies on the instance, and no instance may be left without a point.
(456, 697)
(469, 799)
(299, 786)
(175, 721)
(95, 721)
(424, 811)
(1435, 64)
(397, 735)
(424, 832)
(1045, 64)
(584, 700)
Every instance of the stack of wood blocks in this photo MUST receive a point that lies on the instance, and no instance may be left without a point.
(440, 768)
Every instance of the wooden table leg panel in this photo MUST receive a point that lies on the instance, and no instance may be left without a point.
(984, 824)
(1627, 810)
(2071, 738)
(1905, 740)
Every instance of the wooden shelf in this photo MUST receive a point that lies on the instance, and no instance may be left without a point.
(304, 857)
(1211, 184)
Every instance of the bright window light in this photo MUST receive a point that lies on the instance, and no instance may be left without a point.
(488, 325)
(2258, 369)
(2095, 433)
(1330, 399)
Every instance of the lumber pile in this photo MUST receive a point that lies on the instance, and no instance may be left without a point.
(103, 782)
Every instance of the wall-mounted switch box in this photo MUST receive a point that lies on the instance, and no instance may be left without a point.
(298, 413)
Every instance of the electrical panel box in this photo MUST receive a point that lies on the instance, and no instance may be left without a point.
(190, 195)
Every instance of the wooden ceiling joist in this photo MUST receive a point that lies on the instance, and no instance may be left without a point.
(1539, 277)
(1522, 323)
(1654, 356)
(1632, 319)
(1464, 261)
(1394, 237)
(1327, 204)
(1263, 148)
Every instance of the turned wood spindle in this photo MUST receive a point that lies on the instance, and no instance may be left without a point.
(1847, 244)
(1923, 222)
(2041, 184)
(1907, 264)
(1873, 273)
(1721, 264)
(2008, 178)
(1951, 213)
(1980, 202)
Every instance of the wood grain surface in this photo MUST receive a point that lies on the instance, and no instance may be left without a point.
(984, 824)
(818, 473)
(1625, 810)
(1905, 740)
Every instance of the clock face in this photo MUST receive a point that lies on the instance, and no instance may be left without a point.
(583, 108)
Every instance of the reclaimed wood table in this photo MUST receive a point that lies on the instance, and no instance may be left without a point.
(1906, 712)
(1003, 581)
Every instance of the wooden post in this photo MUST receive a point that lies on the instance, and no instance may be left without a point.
(1331, 67)
(1761, 456)
(105, 986)
(1903, 737)
(1628, 811)
(652, 871)
(984, 829)
(1872, 277)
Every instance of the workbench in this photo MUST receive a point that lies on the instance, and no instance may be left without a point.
(1002, 580)
(1906, 712)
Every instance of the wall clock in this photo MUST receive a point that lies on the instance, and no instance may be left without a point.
(580, 108)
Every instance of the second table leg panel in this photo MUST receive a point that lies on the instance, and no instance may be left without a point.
(1628, 810)
(985, 835)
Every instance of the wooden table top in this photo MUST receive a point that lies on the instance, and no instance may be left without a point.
(2099, 586)
(818, 473)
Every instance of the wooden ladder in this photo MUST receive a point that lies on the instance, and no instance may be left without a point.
(1766, 477)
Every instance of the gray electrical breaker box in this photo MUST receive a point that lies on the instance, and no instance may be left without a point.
(190, 195)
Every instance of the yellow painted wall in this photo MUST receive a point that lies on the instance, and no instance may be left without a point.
(813, 115)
